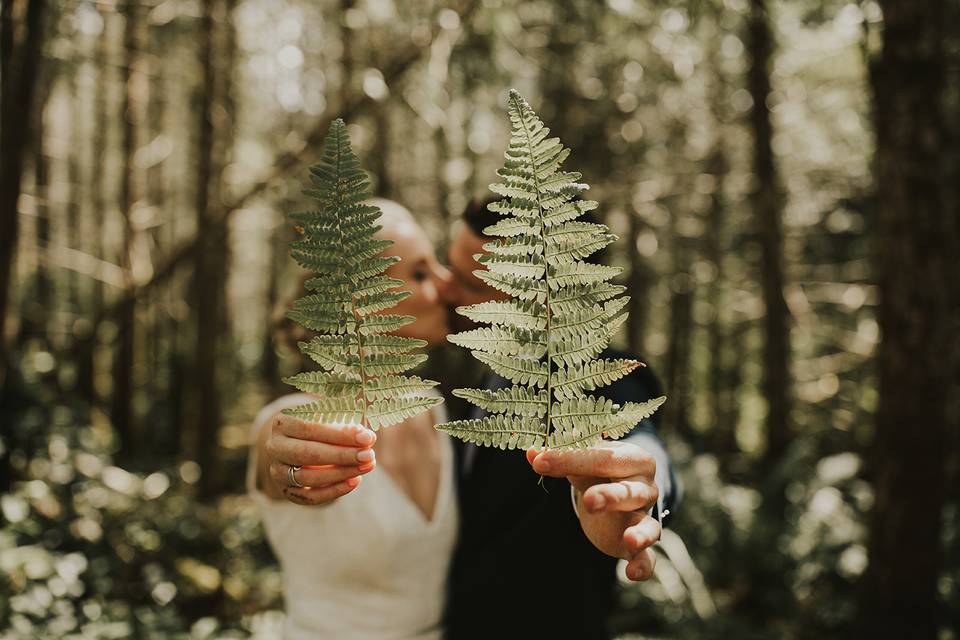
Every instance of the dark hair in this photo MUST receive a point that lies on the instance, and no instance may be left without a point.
(477, 217)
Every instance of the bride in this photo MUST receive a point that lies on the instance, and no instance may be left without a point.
(373, 565)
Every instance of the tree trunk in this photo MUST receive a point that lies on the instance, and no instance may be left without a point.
(917, 264)
(18, 72)
(381, 152)
(121, 400)
(723, 435)
(40, 309)
(210, 265)
(767, 199)
(86, 348)
(677, 369)
(639, 283)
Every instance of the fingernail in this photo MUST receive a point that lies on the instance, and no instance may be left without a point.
(598, 503)
(352, 482)
(365, 437)
(365, 467)
(365, 455)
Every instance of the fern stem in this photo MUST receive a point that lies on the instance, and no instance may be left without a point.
(363, 377)
(357, 318)
(546, 269)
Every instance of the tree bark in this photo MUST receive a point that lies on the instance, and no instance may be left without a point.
(917, 264)
(767, 203)
(18, 64)
(121, 398)
(86, 345)
(639, 283)
(723, 434)
(18, 71)
(210, 263)
(677, 370)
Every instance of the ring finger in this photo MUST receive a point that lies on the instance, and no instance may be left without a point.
(317, 476)
(321, 495)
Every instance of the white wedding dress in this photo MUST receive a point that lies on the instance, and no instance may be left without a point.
(369, 566)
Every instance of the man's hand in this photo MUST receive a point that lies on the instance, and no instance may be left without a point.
(332, 459)
(615, 486)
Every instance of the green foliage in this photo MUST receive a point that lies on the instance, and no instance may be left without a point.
(563, 313)
(360, 381)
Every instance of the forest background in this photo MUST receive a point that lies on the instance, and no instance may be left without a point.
(784, 177)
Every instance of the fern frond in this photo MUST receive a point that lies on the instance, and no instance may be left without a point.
(505, 432)
(573, 381)
(521, 401)
(325, 384)
(526, 314)
(359, 359)
(336, 410)
(388, 411)
(394, 386)
(584, 433)
(510, 341)
(562, 313)
(515, 369)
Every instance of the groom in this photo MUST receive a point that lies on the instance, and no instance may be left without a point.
(538, 561)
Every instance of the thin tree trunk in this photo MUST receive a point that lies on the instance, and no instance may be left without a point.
(917, 264)
(160, 336)
(638, 284)
(681, 329)
(381, 152)
(40, 309)
(121, 400)
(767, 199)
(204, 409)
(74, 197)
(18, 71)
(269, 361)
(723, 432)
(86, 348)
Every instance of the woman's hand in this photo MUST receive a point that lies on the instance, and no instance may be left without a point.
(331, 459)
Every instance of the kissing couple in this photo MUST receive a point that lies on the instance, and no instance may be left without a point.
(408, 533)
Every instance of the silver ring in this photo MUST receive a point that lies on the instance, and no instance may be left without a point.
(291, 471)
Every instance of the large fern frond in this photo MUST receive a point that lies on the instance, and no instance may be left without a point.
(360, 361)
(561, 314)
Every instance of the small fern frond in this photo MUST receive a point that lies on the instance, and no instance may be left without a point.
(562, 313)
(360, 361)
(584, 433)
(388, 411)
(505, 432)
(522, 401)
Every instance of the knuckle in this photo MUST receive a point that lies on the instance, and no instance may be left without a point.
(302, 453)
(649, 536)
(654, 493)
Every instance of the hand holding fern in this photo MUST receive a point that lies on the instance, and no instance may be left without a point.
(332, 458)
(615, 486)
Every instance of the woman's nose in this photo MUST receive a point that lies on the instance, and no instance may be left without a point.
(445, 284)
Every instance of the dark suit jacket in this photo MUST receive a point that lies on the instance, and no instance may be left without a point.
(522, 556)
